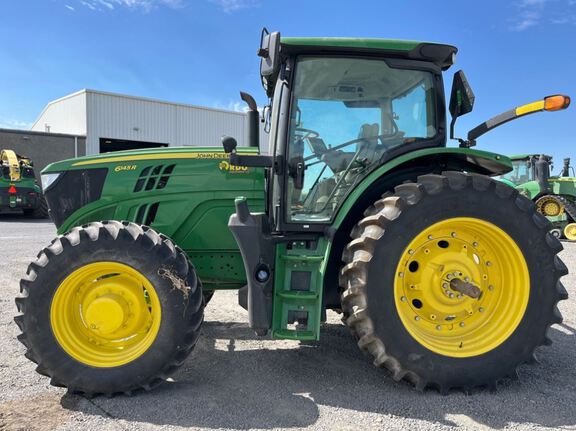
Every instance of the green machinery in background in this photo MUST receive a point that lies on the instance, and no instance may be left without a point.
(445, 277)
(555, 196)
(19, 190)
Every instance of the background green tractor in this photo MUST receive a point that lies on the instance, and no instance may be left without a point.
(555, 196)
(19, 190)
(445, 277)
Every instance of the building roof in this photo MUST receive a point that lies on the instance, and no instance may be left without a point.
(36, 133)
(126, 96)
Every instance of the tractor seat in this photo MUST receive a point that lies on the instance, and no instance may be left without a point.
(367, 148)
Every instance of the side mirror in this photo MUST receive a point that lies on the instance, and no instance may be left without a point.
(461, 97)
(229, 144)
(461, 102)
(269, 51)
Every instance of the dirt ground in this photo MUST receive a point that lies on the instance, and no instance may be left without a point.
(235, 380)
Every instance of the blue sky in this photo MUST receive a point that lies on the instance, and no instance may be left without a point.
(203, 52)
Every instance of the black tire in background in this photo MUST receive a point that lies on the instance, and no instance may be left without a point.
(141, 248)
(371, 258)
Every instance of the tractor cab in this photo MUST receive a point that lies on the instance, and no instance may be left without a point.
(524, 168)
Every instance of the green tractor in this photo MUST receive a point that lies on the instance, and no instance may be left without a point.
(555, 196)
(19, 191)
(445, 277)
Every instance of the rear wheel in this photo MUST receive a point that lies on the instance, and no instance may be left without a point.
(109, 308)
(41, 211)
(452, 282)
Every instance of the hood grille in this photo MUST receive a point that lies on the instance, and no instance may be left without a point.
(153, 178)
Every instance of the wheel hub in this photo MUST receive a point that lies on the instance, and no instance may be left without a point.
(447, 287)
(106, 314)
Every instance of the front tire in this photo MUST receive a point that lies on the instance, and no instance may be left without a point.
(397, 291)
(109, 308)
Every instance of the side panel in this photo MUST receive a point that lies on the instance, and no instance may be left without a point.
(564, 186)
(188, 199)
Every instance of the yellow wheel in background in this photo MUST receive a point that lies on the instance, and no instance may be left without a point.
(550, 206)
(570, 231)
(105, 314)
(466, 251)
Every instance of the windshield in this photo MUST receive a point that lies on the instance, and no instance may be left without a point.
(521, 172)
(346, 113)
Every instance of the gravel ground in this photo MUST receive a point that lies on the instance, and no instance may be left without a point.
(234, 380)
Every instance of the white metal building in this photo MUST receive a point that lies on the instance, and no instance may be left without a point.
(113, 122)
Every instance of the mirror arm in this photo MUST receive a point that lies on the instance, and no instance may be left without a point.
(252, 161)
(464, 143)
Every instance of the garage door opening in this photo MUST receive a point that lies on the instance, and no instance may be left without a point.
(108, 145)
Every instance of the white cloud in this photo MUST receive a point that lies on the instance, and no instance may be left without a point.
(526, 20)
(531, 13)
(145, 5)
(67, 6)
(230, 6)
(231, 105)
(10, 123)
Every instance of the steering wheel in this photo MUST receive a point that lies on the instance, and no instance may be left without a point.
(304, 135)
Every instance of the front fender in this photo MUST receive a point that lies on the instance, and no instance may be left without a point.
(445, 159)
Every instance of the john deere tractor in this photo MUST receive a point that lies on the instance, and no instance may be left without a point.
(445, 277)
(19, 190)
(555, 196)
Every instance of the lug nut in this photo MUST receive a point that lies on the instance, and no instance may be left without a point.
(430, 237)
(410, 251)
(438, 327)
(416, 318)
(453, 234)
(403, 299)
(462, 324)
(445, 285)
(481, 309)
(488, 263)
(474, 244)
(490, 287)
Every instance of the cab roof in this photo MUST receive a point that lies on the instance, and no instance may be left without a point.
(440, 54)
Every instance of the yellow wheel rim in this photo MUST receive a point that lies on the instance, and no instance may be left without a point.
(570, 231)
(105, 314)
(445, 320)
(550, 207)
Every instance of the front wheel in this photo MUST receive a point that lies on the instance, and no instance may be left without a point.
(109, 308)
(452, 282)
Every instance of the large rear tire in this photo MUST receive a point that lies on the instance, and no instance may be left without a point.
(399, 298)
(109, 308)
